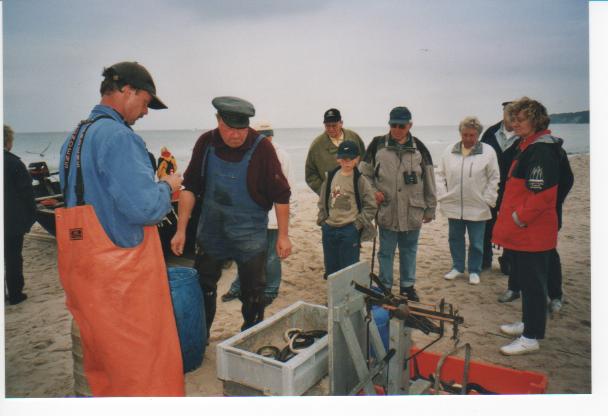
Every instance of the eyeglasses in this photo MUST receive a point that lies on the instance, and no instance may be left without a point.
(398, 126)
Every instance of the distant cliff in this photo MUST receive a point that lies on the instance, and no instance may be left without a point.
(580, 117)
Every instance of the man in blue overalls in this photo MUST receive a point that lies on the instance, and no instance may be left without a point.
(238, 175)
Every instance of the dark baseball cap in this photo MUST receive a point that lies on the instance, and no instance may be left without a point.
(234, 111)
(332, 116)
(348, 149)
(135, 75)
(400, 115)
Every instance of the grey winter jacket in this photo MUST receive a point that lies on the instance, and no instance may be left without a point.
(385, 166)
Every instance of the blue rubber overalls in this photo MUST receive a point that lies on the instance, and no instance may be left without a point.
(231, 226)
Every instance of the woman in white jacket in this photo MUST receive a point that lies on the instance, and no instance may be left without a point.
(467, 184)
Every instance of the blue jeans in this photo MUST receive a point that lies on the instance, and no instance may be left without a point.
(476, 231)
(273, 268)
(340, 247)
(408, 245)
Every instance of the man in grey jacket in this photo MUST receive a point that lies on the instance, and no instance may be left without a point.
(400, 170)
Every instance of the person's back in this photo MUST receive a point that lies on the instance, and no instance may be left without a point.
(19, 216)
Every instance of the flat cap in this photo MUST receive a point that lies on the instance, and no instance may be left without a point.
(234, 111)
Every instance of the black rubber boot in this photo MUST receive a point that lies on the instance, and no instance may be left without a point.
(253, 313)
(209, 272)
(253, 283)
(210, 307)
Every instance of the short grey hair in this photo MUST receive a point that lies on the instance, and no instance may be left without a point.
(470, 122)
(9, 136)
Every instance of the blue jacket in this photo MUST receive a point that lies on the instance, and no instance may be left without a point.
(118, 179)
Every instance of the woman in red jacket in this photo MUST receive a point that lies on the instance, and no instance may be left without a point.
(527, 220)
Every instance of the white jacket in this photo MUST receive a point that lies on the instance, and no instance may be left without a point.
(285, 161)
(467, 186)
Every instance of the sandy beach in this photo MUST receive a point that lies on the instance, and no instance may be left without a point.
(37, 331)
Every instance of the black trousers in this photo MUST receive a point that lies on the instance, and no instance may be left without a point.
(252, 275)
(13, 265)
(554, 279)
(487, 239)
(531, 271)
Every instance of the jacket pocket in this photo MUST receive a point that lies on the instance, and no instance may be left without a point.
(415, 211)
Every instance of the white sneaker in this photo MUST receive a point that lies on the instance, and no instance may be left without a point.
(515, 329)
(473, 278)
(521, 345)
(453, 274)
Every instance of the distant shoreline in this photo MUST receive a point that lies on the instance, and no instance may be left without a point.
(320, 128)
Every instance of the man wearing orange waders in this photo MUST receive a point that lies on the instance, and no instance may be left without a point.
(109, 255)
(238, 174)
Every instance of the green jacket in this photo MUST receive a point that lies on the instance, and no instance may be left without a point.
(322, 158)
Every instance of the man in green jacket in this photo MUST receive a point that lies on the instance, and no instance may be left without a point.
(322, 153)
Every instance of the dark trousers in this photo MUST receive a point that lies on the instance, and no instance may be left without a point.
(487, 240)
(13, 265)
(530, 271)
(252, 276)
(554, 279)
(340, 247)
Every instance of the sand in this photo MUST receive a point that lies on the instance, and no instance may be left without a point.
(37, 331)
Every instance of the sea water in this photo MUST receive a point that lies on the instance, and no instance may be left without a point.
(34, 147)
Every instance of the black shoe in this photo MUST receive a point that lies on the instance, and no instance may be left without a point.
(508, 296)
(410, 293)
(228, 296)
(17, 299)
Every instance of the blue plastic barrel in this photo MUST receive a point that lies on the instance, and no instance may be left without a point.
(381, 317)
(187, 298)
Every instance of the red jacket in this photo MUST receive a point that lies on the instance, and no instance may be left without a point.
(530, 197)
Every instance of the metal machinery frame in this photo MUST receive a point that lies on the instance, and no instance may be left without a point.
(352, 332)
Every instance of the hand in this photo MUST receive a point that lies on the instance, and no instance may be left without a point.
(379, 197)
(283, 247)
(177, 243)
(426, 219)
(174, 180)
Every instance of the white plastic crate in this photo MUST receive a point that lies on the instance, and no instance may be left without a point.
(237, 361)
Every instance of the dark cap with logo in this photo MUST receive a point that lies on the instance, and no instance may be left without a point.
(400, 115)
(332, 116)
(135, 75)
(348, 150)
(234, 111)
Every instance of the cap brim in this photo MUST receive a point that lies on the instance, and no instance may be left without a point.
(393, 121)
(156, 103)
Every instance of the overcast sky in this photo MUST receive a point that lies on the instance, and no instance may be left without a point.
(295, 59)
